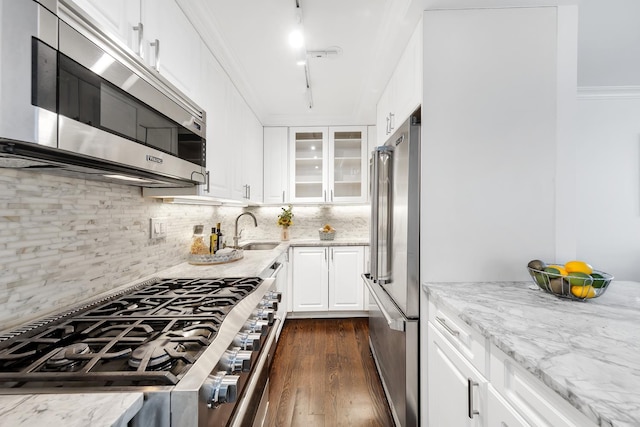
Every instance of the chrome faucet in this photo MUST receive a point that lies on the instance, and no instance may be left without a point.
(236, 235)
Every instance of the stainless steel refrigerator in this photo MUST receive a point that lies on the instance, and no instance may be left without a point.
(394, 280)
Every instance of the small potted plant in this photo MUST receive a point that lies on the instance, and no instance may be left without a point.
(285, 220)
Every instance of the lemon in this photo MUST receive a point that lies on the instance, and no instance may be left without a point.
(578, 267)
(583, 291)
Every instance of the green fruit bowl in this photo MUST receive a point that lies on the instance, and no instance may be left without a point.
(575, 286)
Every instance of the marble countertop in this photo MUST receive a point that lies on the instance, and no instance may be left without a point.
(253, 262)
(69, 410)
(588, 352)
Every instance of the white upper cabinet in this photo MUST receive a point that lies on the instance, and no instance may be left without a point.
(121, 18)
(156, 30)
(328, 165)
(171, 44)
(276, 165)
(403, 93)
(214, 98)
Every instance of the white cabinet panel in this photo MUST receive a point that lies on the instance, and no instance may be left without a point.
(171, 44)
(345, 282)
(120, 18)
(276, 165)
(456, 389)
(500, 413)
(328, 278)
(310, 279)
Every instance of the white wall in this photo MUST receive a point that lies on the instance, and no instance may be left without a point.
(609, 43)
(607, 211)
(490, 137)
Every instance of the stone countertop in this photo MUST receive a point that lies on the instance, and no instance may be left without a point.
(69, 410)
(588, 352)
(253, 262)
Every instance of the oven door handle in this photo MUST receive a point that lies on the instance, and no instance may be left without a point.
(254, 380)
(386, 305)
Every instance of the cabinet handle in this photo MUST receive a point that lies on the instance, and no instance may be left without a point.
(140, 29)
(386, 130)
(470, 385)
(249, 192)
(330, 249)
(325, 254)
(282, 196)
(449, 329)
(156, 44)
(391, 122)
(208, 189)
(325, 195)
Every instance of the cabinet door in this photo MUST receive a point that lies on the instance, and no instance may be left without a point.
(500, 413)
(454, 387)
(120, 18)
(310, 279)
(214, 98)
(345, 282)
(309, 152)
(176, 57)
(348, 164)
(252, 156)
(276, 165)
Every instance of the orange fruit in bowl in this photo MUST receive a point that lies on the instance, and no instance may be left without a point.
(578, 267)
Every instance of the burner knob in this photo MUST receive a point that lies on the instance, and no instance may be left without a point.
(257, 326)
(247, 341)
(221, 388)
(264, 314)
(235, 359)
(265, 303)
(273, 296)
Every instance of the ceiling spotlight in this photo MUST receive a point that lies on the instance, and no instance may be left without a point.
(296, 39)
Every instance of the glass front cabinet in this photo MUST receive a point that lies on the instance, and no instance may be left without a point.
(329, 164)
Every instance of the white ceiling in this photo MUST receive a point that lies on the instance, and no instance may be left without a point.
(250, 40)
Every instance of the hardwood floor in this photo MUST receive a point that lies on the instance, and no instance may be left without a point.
(323, 375)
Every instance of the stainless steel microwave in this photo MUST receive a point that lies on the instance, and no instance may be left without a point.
(74, 100)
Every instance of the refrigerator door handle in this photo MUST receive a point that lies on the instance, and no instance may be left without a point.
(397, 322)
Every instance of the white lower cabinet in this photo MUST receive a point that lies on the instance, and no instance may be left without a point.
(327, 278)
(500, 413)
(471, 383)
(457, 391)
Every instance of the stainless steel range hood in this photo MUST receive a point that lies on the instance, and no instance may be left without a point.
(77, 103)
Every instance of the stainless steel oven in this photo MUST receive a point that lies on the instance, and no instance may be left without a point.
(199, 349)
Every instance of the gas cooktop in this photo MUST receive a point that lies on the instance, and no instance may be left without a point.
(149, 336)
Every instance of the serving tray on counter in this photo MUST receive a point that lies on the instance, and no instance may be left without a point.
(212, 259)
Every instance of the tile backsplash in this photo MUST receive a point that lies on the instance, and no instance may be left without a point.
(64, 240)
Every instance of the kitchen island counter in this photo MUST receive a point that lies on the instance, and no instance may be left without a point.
(587, 352)
(69, 410)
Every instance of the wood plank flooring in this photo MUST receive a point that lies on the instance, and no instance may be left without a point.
(323, 375)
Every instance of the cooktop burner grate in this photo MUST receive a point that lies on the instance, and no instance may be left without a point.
(149, 336)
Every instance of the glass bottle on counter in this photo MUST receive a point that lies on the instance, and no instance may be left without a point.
(213, 241)
(219, 244)
(198, 243)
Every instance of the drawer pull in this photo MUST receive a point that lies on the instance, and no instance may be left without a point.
(470, 385)
(449, 329)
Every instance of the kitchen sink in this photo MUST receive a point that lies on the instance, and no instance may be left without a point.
(261, 246)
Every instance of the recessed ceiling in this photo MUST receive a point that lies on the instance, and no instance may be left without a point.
(250, 40)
